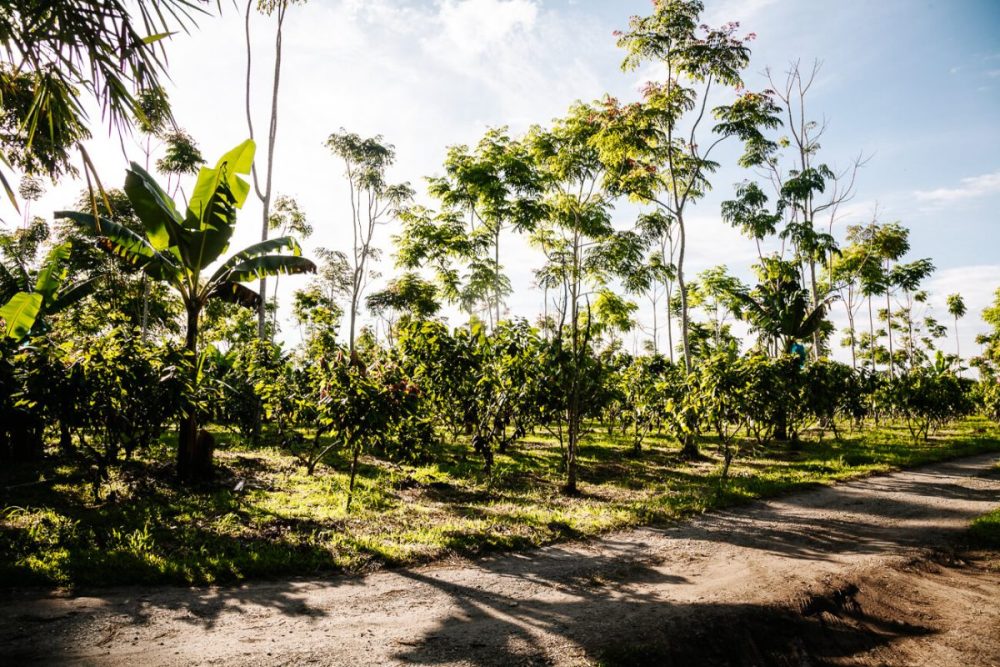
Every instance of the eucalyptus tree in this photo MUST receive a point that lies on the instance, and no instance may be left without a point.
(907, 278)
(660, 151)
(809, 193)
(882, 246)
(31, 190)
(374, 203)
(181, 157)
(493, 187)
(891, 242)
(956, 308)
(263, 186)
(854, 274)
(749, 213)
(152, 120)
(583, 253)
(317, 306)
(179, 249)
(812, 191)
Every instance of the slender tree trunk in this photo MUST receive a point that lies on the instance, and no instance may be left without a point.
(670, 324)
(958, 350)
(871, 331)
(354, 472)
(188, 435)
(888, 320)
(815, 303)
(265, 194)
(145, 307)
(683, 291)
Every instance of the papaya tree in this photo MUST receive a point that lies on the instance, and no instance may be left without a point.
(179, 249)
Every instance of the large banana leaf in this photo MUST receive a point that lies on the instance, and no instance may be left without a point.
(71, 295)
(269, 265)
(53, 272)
(154, 207)
(236, 293)
(20, 313)
(256, 250)
(126, 244)
(203, 242)
(236, 161)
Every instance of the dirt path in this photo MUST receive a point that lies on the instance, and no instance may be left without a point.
(728, 583)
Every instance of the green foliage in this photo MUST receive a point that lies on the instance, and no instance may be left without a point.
(643, 402)
(926, 398)
(177, 249)
(107, 51)
(125, 393)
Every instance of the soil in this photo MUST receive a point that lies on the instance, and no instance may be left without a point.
(862, 573)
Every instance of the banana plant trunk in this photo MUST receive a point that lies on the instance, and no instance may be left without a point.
(194, 451)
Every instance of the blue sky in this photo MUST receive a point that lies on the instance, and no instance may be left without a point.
(914, 84)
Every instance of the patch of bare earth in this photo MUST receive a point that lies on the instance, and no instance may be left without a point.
(847, 575)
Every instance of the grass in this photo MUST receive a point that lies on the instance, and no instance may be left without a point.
(984, 532)
(146, 529)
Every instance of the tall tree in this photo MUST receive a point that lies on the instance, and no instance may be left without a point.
(374, 202)
(494, 187)
(855, 271)
(177, 249)
(660, 151)
(956, 308)
(278, 9)
(582, 252)
(811, 192)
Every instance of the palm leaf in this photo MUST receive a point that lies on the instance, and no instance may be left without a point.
(236, 161)
(71, 295)
(206, 237)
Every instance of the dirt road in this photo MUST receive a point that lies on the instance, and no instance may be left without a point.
(829, 576)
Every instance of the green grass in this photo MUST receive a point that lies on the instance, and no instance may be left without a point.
(984, 533)
(146, 529)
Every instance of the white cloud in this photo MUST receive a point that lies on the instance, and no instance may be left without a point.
(736, 10)
(969, 188)
(471, 28)
(976, 284)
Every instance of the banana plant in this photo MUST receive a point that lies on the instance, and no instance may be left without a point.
(25, 310)
(779, 308)
(181, 249)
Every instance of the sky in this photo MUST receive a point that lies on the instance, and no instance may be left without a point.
(913, 85)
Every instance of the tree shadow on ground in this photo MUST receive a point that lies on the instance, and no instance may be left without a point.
(603, 614)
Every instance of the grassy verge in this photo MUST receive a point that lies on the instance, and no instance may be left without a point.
(145, 529)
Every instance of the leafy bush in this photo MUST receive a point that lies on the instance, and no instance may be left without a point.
(927, 398)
